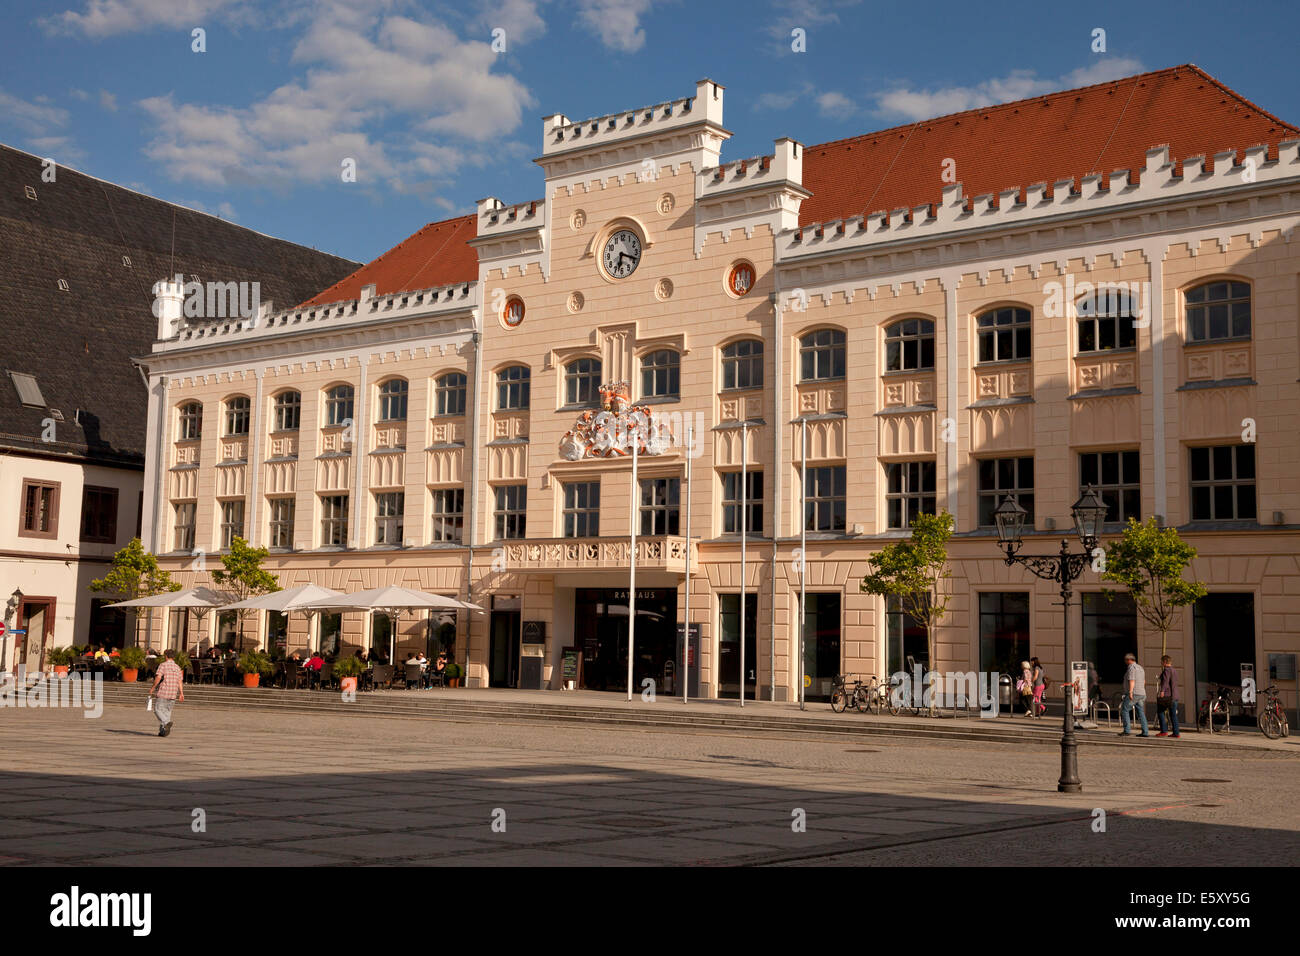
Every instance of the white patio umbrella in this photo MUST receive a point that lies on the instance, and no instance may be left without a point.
(200, 600)
(390, 601)
(287, 599)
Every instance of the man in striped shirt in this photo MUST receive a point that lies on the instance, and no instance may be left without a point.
(167, 689)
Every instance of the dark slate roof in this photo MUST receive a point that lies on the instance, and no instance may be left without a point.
(78, 344)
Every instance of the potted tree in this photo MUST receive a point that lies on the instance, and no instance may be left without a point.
(254, 665)
(129, 661)
(347, 670)
(454, 673)
(61, 658)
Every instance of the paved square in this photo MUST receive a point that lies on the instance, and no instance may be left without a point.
(329, 790)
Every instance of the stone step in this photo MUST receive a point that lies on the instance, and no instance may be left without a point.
(443, 704)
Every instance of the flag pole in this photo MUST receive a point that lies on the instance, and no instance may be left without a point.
(686, 628)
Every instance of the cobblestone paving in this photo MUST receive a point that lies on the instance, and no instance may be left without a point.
(288, 789)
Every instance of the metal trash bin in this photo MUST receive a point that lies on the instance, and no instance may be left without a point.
(1004, 693)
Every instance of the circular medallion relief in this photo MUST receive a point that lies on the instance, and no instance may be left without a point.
(578, 219)
(512, 313)
(663, 289)
(576, 301)
(666, 204)
(740, 278)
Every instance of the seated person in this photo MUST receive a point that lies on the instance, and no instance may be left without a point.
(115, 653)
(413, 658)
(361, 656)
(315, 662)
(442, 661)
(422, 661)
(151, 654)
(101, 654)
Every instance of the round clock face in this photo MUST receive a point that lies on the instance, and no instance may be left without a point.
(622, 254)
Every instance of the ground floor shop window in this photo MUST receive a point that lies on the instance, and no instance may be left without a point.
(441, 635)
(1004, 631)
(107, 625)
(381, 635)
(227, 629)
(1109, 632)
(729, 644)
(905, 637)
(277, 632)
(331, 634)
(821, 649)
(1223, 626)
(178, 628)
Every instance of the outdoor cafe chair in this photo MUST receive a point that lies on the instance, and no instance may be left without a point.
(382, 674)
(413, 675)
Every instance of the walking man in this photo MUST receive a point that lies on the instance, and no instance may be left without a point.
(167, 690)
(1167, 698)
(1135, 697)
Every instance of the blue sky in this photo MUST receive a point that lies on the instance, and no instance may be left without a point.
(256, 127)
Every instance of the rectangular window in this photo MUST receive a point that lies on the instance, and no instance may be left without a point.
(731, 502)
(999, 477)
(448, 514)
(389, 508)
(1109, 632)
(909, 491)
(331, 634)
(905, 636)
(582, 509)
(660, 506)
(232, 522)
(334, 521)
(1223, 482)
(1115, 476)
(825, 490)
(1004, 632)
(511, 512)
(40, 515)
(99, 514)
(282, 511)
(184, 525)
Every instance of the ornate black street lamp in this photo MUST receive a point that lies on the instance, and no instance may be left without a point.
(1089, 512)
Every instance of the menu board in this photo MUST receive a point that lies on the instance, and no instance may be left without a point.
(571, 665)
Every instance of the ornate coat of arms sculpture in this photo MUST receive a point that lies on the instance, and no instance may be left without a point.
(615, 429)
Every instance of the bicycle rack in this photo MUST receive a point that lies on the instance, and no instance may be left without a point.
(1101, 703)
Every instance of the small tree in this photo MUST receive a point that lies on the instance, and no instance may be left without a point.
(915, 571)
(244, 576)
(1149, 561)
(134, 574)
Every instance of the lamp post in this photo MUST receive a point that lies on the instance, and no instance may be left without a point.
(1064, 568)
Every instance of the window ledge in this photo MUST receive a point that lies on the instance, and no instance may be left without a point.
(1084, 393)
(1101, 353)
(733, 424)
(272, 461)
(333, 454)
(998, 363)
(1235, 524)
(993, 402)
(523, 440)
(819, 417)
(659, 400)
(580, 407)
(442, 445)
(906, 409)
(821, 381)
(186, 466)
(1216, 383)
(906, 372)
(1230, 340)
(394, 450)
(230, 462)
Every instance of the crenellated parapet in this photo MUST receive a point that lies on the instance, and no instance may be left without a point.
(510, 237)
(267, 324)
(1160, 180)
(745, 193)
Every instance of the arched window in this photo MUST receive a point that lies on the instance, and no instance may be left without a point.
(288, 411)
(237, 416)
(1106, 321)
(449, 394)
(582, 382)
(1218, 310)
(338, 405)
(909, 345)
(821, 355)
(1003, 335)
(392, 400)
(742, 364)
(513, 388)
(191, 421)
(661, 374)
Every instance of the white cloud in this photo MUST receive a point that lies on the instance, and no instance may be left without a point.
(835, 104)
(616, 23)
(103, 18)
(782, 101)
(519, 18)
(108, 101)
(915, 104)
(363, 72)
(43, 125)
(806, 15)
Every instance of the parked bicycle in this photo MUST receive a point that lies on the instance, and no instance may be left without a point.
(1272, 718)
(1217, 708)
(847, 690)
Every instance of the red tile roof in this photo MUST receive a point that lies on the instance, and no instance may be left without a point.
(1096, 129)
(437, 255)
